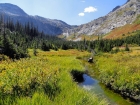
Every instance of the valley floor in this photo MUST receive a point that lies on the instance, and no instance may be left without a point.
(44, 79)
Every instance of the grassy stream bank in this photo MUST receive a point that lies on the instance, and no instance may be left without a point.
(120, 72)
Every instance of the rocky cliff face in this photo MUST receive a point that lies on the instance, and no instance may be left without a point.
(119, 16)
(48, 26)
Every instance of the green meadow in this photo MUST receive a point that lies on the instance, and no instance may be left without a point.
(44, 79)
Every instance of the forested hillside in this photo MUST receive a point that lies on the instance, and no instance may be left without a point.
(17, 38)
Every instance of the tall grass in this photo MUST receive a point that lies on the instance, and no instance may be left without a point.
(44, 79)
(121, 72)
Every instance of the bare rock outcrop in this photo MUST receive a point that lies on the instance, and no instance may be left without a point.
(119, 16)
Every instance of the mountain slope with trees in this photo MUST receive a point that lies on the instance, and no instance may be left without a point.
(48, 26)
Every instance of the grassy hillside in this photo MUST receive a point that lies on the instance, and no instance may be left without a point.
(44, 79)
(124, 31)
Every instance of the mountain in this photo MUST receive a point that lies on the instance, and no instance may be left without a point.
(119, 16)
(48, 26)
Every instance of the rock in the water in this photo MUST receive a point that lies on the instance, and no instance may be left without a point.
(90, 59)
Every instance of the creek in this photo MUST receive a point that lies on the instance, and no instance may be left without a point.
(92, 84)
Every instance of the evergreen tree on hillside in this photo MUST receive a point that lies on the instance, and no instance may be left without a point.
(9, 48)
(64, 46)
(45, 47)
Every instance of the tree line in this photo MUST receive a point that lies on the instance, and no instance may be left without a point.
(16, 38)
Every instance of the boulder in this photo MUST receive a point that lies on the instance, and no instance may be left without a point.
(90, 59)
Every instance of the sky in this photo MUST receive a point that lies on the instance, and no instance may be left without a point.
(73, 12)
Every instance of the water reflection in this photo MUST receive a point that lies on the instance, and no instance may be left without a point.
(93, 85)
(88, 82)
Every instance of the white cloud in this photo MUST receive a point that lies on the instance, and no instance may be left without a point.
(90, 9)
(81, 14)
(83, 1)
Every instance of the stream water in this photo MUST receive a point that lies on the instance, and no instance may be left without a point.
(93, 85)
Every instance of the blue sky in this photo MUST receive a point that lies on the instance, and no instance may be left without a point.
(73, 12)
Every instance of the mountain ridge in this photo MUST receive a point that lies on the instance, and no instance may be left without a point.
(119, 16)
(48, 26)
(12, 9)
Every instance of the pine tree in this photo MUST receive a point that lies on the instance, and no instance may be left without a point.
(45, 47)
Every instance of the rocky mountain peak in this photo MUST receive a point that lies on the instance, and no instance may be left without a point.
(117, 7)
(119, 16)
(11, 9)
